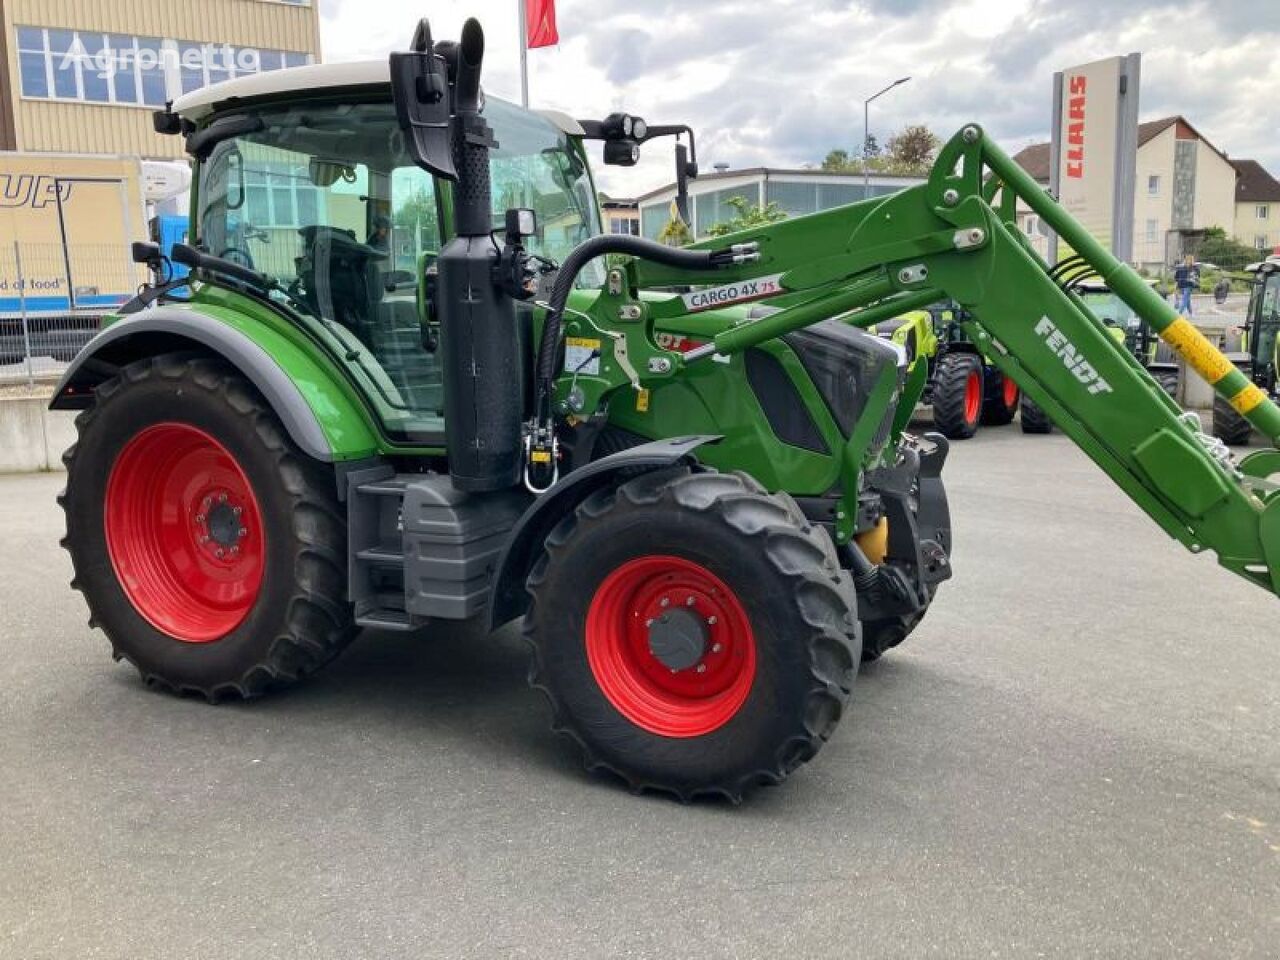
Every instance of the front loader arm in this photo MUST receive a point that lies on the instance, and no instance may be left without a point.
(955, 237)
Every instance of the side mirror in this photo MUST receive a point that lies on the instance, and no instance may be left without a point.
(420, 89)
(148, 253)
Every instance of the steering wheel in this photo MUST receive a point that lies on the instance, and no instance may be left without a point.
(238, 255)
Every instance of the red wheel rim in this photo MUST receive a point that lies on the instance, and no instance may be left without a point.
(1010, 394)
(688, 702)
(972, 397)
(184, 532)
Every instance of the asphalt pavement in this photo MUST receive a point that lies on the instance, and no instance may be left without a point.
(1077, 755)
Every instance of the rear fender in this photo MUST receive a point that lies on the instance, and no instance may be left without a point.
(314, 410)
(507, 599)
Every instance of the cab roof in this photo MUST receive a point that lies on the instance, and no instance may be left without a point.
(198, 104)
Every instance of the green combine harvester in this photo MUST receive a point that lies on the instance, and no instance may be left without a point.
(405, 383)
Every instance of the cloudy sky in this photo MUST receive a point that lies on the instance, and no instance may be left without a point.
(780, 82)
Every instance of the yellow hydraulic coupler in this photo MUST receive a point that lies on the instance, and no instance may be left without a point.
(874, 543)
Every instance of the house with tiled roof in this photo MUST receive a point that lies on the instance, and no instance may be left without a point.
(1184, 185)
(1257, 205)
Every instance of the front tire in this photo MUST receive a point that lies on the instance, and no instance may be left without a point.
(1000, 405)
(957, 395)
(737, 678)
(210, 550)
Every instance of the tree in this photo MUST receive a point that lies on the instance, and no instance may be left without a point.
(675, 233)
(748, 215)
(871, 147)
(837, 160)
(1219, 249)
(912, 149)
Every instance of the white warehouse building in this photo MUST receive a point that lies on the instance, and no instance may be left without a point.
(796, 192)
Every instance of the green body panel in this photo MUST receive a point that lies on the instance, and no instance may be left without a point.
(338, 405)
(716, 398)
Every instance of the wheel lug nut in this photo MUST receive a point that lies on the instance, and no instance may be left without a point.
(219, 553)
(243, 532)
(711, 620)
(199, 518)
(237, 510)
(235, 550)
(702, 668)
(664, 602)
(689, 602)
(716, 648)
(649, 622)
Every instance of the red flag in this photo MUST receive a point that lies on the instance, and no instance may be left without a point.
(540, 22)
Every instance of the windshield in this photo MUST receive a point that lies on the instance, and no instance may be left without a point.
(1268, 317)
(325, 200)
(1110, 309)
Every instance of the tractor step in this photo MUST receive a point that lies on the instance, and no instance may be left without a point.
(420, 549)
(384, 619)
(381, 555)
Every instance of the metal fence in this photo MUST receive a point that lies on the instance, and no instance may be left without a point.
(53, 299)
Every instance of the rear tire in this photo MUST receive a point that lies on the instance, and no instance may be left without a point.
(1034, 420)
(1000, 405)
(210, 550)
(1228, 425)
(957, 395)
(1168, 380)
(709, 544)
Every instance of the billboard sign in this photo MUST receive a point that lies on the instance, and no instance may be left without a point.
(1093, 152)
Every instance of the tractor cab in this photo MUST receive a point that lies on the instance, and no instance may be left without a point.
(1259, 342)
(303, 177)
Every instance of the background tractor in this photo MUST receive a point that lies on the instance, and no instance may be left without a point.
(963, 388)
(1257, 357)
(1124, 324)
(415, 389)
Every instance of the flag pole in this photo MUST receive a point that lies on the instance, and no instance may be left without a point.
(524, 55)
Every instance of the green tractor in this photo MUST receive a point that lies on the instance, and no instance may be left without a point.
(409, 380)
(1257, 356)
(1128, 330)
(963, 388)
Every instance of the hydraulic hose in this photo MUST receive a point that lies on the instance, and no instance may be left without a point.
(574, 264)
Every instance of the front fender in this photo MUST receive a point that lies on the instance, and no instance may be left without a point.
(507, 599)
(302, 393)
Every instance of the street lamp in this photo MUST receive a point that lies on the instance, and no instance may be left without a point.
(866, 134)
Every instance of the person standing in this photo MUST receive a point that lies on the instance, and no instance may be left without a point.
(1186, 278)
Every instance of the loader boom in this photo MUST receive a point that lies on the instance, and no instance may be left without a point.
(955, 237)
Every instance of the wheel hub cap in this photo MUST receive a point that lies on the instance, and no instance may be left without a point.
(670, 646)
(678, 638)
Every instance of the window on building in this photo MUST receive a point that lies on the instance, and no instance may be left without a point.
(1260, 242)
(1153, 231)
(627, 226)
(1031, 226)
(135, 71)
(1263, 211)
(1153, 185)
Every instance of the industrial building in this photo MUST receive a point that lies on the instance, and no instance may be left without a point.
(83, 76)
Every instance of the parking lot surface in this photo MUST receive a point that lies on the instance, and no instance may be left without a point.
(1077, 755)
